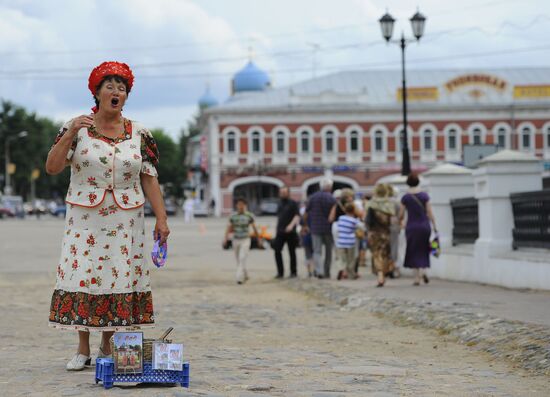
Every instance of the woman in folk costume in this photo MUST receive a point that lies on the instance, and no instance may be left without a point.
(102, 276)
(378, 221)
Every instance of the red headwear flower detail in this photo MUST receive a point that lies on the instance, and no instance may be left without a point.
(107, 69)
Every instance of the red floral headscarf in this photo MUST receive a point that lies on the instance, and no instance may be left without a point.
(107, 69)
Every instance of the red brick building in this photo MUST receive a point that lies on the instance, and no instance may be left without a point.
(348, 126)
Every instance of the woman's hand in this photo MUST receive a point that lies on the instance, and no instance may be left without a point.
(161, 230)
(83, 121)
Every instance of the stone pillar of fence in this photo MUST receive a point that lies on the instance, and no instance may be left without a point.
(444, 183)
(497, 177)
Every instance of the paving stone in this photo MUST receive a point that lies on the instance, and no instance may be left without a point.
(372, 370)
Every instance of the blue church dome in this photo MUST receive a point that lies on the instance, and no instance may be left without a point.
(250, 78)
(207, 100)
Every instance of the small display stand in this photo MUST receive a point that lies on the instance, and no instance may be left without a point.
(105, 372)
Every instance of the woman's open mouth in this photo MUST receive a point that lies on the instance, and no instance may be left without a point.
(115, 101)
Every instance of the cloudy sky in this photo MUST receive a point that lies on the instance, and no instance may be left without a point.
(178, 47)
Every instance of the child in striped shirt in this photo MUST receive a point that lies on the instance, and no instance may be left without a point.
(347, 224)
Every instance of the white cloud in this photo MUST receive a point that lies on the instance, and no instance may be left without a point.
(65, 34)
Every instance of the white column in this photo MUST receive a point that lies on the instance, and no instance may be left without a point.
(214, 164)
(444, 183)
(497, 177)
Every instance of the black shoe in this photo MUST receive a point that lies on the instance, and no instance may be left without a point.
(293, 275)
(279, 277)
(426, 279)
(239, 282)
(320, 277)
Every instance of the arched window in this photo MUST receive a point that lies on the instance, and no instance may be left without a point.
(379, 141)
(280, 142)
(231, 147)
(304, 142)
(329, 141)
(526, 138)
(501, 137)
(452, 140)
(256, 143)
(428, 141)
(476, 136)
(354, 141)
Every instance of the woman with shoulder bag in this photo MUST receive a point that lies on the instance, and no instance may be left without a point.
(418, 229)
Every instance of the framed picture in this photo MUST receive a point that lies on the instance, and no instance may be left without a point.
(128, 352)
(168, 356)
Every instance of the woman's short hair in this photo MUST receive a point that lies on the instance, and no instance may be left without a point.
(349, 208)
(347, 193)
(380, 190)
(413, 180)
(111, 77)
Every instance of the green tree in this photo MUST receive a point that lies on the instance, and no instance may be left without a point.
(30, 152)
(170, 169)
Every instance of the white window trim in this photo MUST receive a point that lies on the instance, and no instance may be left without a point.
(383, 155)
(304, 157)
(332, 157)
(508, 129)
(483, 130)
(455, 155)
(428, 155)
(354, 157)
(280, 158)
(545, 138)
(533, 130)
(397, 139)
(252, 157)
(231, 158)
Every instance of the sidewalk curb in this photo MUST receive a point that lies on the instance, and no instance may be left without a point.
(523, 344)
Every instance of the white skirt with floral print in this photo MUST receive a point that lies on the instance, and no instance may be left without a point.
(103, 278)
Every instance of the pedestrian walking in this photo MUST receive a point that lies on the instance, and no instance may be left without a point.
(239, 226)
(416, 204)
(347, 225)
(317, 212)
(395, 230)
(102, 276)
(288, 217)
(188, 210)
(307, 243)
(378, 220)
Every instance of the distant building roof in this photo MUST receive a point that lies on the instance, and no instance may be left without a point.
(382, 88)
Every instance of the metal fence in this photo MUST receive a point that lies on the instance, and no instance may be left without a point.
(531, 219)
(465, 220)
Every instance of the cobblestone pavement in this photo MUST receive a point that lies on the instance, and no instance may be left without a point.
(258, 339)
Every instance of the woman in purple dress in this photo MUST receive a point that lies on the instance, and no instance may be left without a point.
(419, 215)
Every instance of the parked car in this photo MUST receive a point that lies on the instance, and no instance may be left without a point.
(13, 205)
(269, 206)
(38, 207)
(60, 210)
(200, 209)
(5, 212)
(169, 205)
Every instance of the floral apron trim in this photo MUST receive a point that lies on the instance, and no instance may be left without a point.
(79, 310)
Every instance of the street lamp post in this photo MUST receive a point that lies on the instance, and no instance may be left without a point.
(7, 179)
(386, 24)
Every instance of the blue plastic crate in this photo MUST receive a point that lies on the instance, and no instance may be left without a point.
(105, 372)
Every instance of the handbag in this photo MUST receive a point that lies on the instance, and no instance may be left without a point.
(434, 247)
